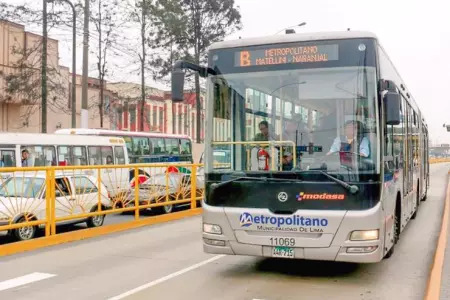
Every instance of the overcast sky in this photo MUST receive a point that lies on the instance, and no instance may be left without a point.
(415, 34)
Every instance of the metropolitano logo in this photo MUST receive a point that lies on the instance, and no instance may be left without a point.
(246, 219)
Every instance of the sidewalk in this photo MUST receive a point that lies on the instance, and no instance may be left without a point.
(445, 279)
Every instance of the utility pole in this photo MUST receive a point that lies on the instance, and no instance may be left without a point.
(144, 11)
(74, 61)
(100, 71)
(84, 91)
(44, 68)
(74, 66)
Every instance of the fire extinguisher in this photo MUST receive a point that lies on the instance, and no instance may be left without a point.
(263, 159)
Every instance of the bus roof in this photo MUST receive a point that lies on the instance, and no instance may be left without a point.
(107, 132)
(295, 37)
(9, 138)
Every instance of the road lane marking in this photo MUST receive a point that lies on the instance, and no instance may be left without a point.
(22, 280)
(434, 281)
(165, 278)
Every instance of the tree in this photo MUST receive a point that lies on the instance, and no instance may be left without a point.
(22, 77)
(105, 17)
(138, 14)
(185, 29)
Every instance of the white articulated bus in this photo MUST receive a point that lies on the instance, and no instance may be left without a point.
(328, 151)
(147, 147)
(57, 150)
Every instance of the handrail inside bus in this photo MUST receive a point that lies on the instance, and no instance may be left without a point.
(265, 143)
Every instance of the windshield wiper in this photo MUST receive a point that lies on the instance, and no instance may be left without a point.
(266, 179)
(350, 187)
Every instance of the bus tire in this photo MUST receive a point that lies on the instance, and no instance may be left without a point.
(424, 198)
(417, 204)
(397, 227)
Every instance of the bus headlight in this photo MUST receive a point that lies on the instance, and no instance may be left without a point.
(212, 228)
(364, 235)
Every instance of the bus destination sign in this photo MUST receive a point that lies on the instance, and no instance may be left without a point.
(286, 55)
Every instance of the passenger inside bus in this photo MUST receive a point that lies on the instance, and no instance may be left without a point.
(109, 160)
(266, 133)
(25, 156)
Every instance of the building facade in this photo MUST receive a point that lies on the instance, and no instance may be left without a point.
(20, 94)
(160, 114)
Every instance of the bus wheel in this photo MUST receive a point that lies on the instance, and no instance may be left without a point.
(426, 192)
(417, 204)
(396, 233)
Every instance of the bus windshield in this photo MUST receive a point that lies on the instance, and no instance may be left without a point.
(317, 118)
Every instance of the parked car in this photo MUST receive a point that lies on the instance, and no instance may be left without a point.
(22, 199)
(176, 185)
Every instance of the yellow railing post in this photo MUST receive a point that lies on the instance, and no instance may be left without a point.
(136, 193)
(99, 200)
(167, 184)
(53, 200)
(194, 187)
(48, 203)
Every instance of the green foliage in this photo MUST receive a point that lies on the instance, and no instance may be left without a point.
(184, 29)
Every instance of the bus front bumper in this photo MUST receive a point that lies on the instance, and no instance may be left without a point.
(216, 245)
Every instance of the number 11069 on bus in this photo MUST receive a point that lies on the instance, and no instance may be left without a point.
(282, 247)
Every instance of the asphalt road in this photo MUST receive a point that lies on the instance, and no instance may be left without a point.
(109, 219)
(167, 262)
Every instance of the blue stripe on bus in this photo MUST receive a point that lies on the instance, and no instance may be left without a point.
(160, 159)
(388, 177)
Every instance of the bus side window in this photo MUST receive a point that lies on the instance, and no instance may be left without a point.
(8, 158)
(141, 146)
(129, 144)
(41, 156)
(64, 155)
(172, 146)
(79, 156)
(119, 155)
(185, 147)
(107, 155)
(159, 146)
(95, 155)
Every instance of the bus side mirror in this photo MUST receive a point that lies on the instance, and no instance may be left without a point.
(177, 85)
(392, 107)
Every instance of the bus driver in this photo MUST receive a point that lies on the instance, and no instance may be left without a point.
(353, 133)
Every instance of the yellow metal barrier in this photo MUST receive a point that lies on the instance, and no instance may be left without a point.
(42, 198)
(35, 198)
(439, 160)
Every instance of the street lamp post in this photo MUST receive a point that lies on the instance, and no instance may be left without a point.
(447, 126)
(298, 25)
(74, 61)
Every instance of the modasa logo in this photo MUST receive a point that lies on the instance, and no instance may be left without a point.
(324, 196)
(246, 219)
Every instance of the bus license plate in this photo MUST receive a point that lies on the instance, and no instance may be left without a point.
(284, 252)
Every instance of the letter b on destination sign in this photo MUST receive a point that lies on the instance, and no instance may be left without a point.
(245, 59)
